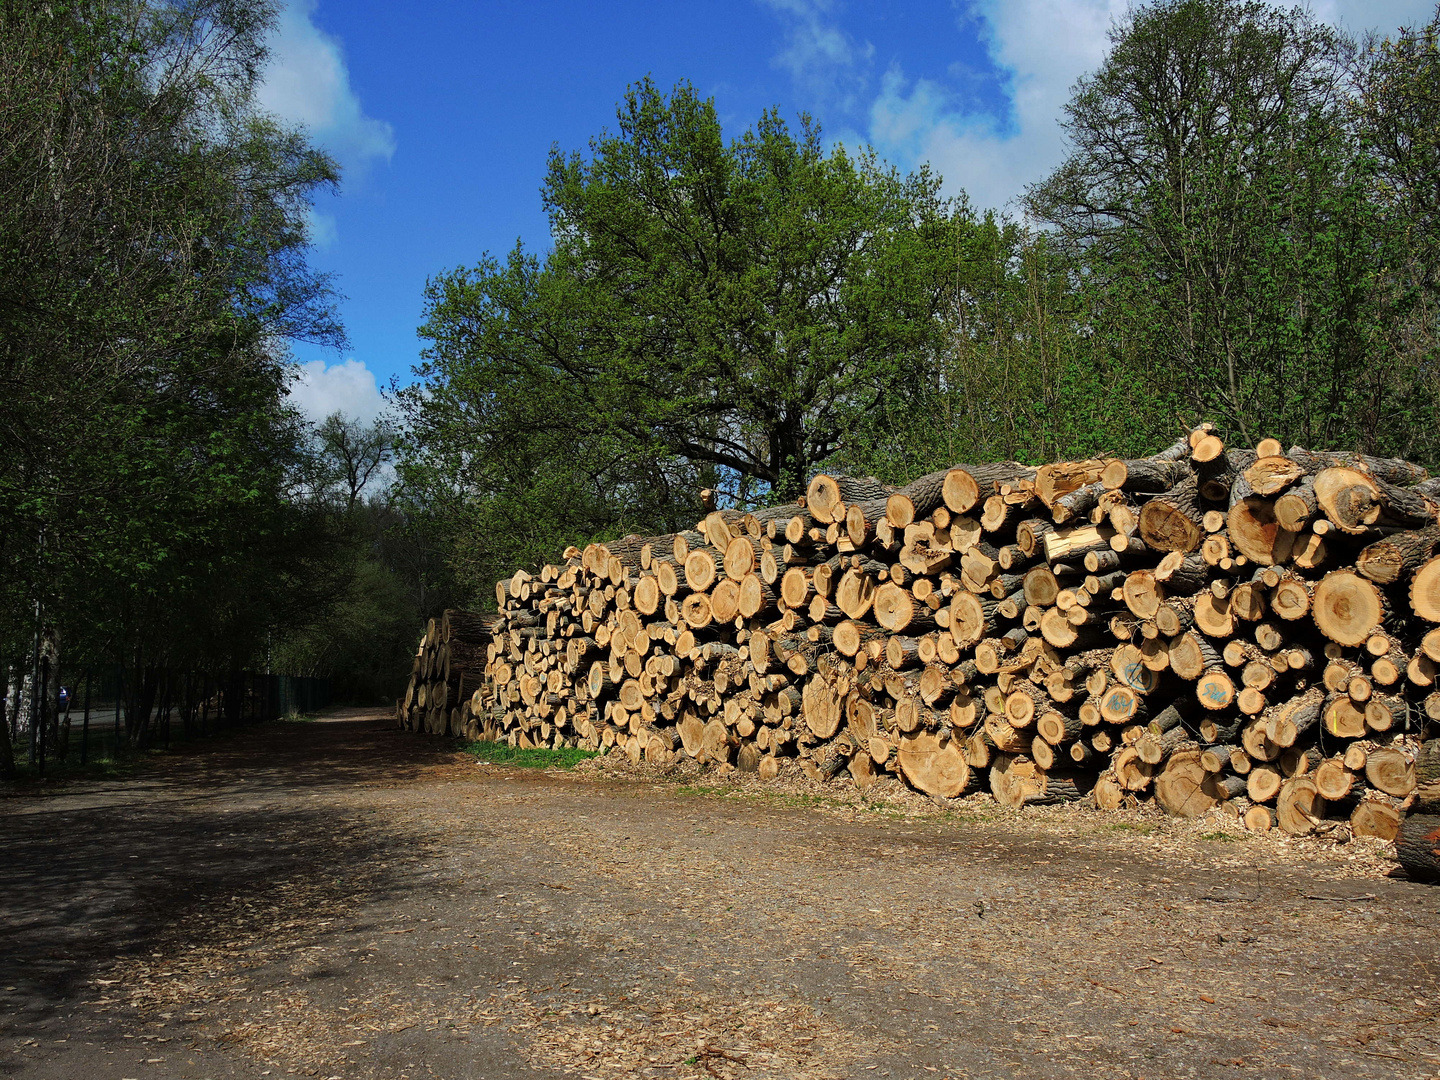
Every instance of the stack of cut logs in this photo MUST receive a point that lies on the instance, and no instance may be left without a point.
(449, 669)
(1211, 626)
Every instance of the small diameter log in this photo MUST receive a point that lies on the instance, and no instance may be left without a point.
(1333, 780)
(1062, 633)
(1216, 759)
(1133, 773)
(1393, 558)
(1263, 783)
(1294, 509)
(826, 494)
(855, 593)
(820, 708)
(700, 571)
(1147, 475)
(1259, 818)
(862, 519)
(742, 556)
(1391, 771)
(1213, 615)
(1041, 587)
(796, 587)
(756, 597)
(1192, 654)
(916, 499)
(1292, 599)
(1024, 703)
(965, 485)
(1017, 781)
(725, 601)
(1289, 720)
(1342, 717)
(1272, 474)
(1122, 705)
(1057, 728)
(696, 611)
(1003, 736)
(902, 652)
(851, 636)
(1127, 664)
(1215, 690)
(1299, 807)
(1386, 712)
(1143, 594)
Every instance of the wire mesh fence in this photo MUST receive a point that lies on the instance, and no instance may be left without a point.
(103, 711)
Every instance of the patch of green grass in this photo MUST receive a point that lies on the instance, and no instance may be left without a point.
(1223, 837)
(536, 758)
(103, 762)
(299, 718)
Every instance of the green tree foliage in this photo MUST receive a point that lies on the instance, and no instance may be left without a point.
(152, 267)
(1244, 230)
(382, 587)
(712, 314)
(1220, 211)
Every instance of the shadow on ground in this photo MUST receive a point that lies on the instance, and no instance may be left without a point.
(99, 872)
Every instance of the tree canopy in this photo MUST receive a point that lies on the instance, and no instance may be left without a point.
(153, 267)
(1220, 207)
(711, 314)
(1242, 230)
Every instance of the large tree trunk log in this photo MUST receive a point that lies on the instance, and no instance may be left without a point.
(933, 765)
(1181, 786)
(1172, 522)
(1417, 846)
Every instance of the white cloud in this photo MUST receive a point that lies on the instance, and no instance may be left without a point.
(320, 228)
(818, 54)
(1382, 16)
(320, 389)
(307, 83)
(1044, 46)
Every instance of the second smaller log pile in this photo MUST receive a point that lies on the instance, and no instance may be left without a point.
(448, 670)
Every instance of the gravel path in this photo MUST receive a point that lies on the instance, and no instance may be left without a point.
(338, 899)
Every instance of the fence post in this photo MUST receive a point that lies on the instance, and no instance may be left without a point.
(44, 703)
(85, 723)
(34, 677)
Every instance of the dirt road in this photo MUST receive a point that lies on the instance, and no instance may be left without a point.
(338, 899)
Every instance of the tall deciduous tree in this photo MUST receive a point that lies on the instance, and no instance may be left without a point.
(1222, 216)
(152, 267)
(713, 313)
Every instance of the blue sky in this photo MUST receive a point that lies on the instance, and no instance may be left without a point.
(442, 115)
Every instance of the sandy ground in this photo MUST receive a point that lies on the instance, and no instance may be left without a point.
(340, 899)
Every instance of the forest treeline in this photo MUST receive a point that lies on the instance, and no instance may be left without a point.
(166, 516)
(1243, 230)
